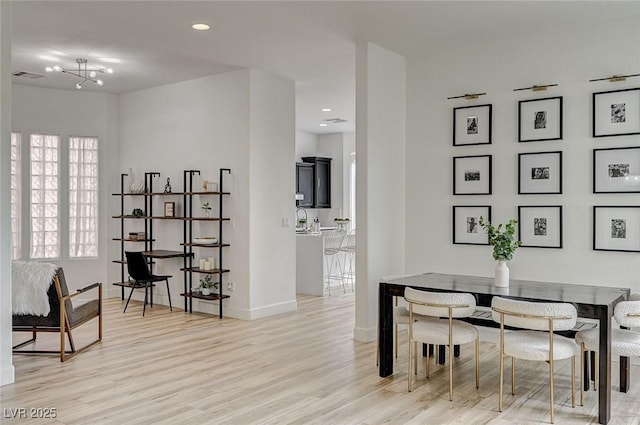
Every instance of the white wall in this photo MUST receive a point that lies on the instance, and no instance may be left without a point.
(496, 67)
(70, 113)
(380, 143)
(272, 187)
(206, 124)
(7, 375)
(306, 145)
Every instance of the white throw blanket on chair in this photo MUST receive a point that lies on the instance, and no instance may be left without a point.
(30, 283)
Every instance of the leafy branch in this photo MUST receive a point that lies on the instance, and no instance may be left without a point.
(502, 239)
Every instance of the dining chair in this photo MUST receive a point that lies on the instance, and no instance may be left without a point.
(532, 344)
(400, 317)
(142, 278)
(624, 342)
(442, 331)
(348, 247)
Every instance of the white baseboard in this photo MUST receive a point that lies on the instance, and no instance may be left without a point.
(7, 375)
(364, 334)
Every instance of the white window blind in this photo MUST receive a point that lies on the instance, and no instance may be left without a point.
(83, 197)
(16, 231)
(45, 236)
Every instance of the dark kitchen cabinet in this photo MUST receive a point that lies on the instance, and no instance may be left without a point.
(304, 184)
(321, 180)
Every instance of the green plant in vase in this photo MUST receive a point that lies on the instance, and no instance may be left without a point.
(207, 284)
(206, 208)
(504, 243)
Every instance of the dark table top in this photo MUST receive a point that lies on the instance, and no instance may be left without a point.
(522, 289)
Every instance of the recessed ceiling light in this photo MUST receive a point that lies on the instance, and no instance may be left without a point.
(324, 124)
(326, 109)
(200, 27)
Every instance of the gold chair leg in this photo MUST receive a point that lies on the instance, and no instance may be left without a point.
(573, 381)
(513, 376)
(477, 363)
(450, 372)
(395, 330)
(409, 367)
(551, 386)
(501, 379)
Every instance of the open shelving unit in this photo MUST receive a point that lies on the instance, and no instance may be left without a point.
(187, 252)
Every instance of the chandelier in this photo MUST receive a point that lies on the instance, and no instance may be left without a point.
(83, 72)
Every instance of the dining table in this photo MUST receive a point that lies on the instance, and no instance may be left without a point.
(591, 301)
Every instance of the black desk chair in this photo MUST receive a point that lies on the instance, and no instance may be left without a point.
(143, 278)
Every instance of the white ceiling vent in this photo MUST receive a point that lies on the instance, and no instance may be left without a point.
(24, 74)
(335, 120)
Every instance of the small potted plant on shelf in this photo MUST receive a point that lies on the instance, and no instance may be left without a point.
(207, 285)
(504, 246)
(206, 208)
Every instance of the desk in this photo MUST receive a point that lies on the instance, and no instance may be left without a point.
(595, 302)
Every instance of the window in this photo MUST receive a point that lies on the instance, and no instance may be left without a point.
(16, 249)
(45, 222)
(83, 197)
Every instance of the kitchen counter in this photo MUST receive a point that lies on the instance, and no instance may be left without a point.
(310, 264)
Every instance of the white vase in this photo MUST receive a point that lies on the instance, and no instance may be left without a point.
(206, 291)
(502, 274)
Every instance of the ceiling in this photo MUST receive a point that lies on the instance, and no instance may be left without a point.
(150, 43)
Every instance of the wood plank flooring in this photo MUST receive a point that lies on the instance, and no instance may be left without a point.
(296, 368)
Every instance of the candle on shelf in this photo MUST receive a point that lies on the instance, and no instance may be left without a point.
(202, 261)
(207, 265)
(212, 262)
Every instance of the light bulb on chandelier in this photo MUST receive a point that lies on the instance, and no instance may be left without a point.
(87, 74)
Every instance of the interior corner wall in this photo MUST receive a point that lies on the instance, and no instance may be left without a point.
(272, 189)
(568, 57)
(7, 373)
(380, 187)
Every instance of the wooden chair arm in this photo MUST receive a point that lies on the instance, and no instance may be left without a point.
(82, 290)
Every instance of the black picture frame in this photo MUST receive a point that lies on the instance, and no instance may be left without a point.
(466, 232)
(616, 170)
(472, 175)
(612, 225)
(540, 119)
(540, 173)
(540, 226)
(472, 125)
(616, 113)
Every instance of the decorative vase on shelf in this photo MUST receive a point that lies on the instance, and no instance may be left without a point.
(206, 291)
(502, 274)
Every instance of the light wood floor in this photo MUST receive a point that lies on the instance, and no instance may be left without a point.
(296, 368)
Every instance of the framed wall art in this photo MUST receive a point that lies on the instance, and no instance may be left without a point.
(540, 119)
(616, 170)
(472, 175)
(616, 228)
(540, 173)
(616, 113)
(472, 125)
(540, 226)
(466, 224)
